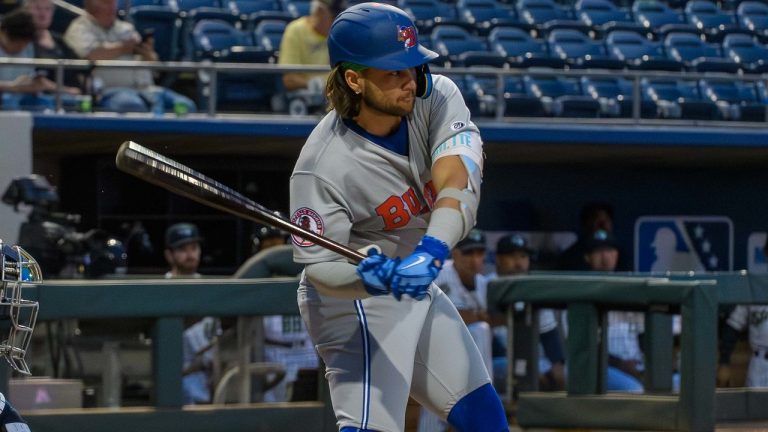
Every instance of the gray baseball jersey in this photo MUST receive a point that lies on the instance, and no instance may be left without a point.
(756, 317)
(379, 350)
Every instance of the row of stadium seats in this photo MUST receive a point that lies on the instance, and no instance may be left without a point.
(620, 49)
(612, 97)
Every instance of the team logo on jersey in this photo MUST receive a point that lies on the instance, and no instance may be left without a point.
(407, 35)
(457, 125)
(308, 219)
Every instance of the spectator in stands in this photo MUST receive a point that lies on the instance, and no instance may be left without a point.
(99, 35)
(21, 86)
(513, 257)
(461, 279)
(594, 216)
(304, 43)
(49, 44)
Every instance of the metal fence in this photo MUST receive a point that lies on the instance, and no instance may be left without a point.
(213, 69)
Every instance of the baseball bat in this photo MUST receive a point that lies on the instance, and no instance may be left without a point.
(162, 171)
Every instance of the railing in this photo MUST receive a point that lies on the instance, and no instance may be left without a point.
(213, 69)
(587, 297)
(168, 301)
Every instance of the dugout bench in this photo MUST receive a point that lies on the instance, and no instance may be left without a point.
(587, 297)
(167, 301)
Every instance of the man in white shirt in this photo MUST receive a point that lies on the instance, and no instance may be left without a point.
(99, 35)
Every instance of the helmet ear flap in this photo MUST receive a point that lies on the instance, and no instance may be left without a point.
(423, 81)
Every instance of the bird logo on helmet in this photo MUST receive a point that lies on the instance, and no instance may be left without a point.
(407, 35)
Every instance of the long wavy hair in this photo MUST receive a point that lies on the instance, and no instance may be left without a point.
(340, 97)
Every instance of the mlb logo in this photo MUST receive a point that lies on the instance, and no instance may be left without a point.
(683, 243)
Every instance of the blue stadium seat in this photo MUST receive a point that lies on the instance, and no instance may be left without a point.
(211, 37)
(255, 18)
(679, 99)
(166, 24)
(124, 5)
(485, 14)
(737, 100)
(297, 8)
(710, 19)
(580, 51)
(521, 49)
(561, 96)
(189, 20)
(427, 13)
(516, 102)
(753, 16)
(745, 50)
(697, 54)
(615, 95)
(268, 34)
(450, 41)
(656, 15)
(546, 15)
(247, 7)
(639, 53)
(188, 5)
(596, 13)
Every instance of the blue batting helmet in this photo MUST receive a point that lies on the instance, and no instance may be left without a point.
(376, 35)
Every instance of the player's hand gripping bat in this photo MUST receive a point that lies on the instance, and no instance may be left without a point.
(159, 170)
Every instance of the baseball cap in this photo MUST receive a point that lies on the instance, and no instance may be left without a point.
(180, 234)
(335, 6)
(473, 241)
(601, 239)
(512, 243)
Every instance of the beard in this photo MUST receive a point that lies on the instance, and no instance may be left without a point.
(383, 107)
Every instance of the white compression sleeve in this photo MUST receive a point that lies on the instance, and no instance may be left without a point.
(336, 279)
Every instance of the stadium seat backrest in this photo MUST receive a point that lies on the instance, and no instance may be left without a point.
(450, 40)
(215, 35)
(247, 7)
(513, 42)
(165, 23)
(296, 7)
(687, 47)
(728, 91)
(268, 34)
(607, 87)
(553, 87)
(599, 12)
(540, 11)
(188, 5)
(573, 44)
(628, 45)
(662, 89)
(654, 14)
(744, 48)
(753, 15)
(705, 14)
(482, 10)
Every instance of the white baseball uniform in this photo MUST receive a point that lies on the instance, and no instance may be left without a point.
(756, 316)
(378, 350)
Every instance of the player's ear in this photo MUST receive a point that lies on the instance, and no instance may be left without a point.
(353, 80)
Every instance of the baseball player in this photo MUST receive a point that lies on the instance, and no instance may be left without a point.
(756, 318)
(396, 163)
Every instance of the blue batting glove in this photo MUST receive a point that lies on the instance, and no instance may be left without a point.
(417, 271)
(376, 272)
